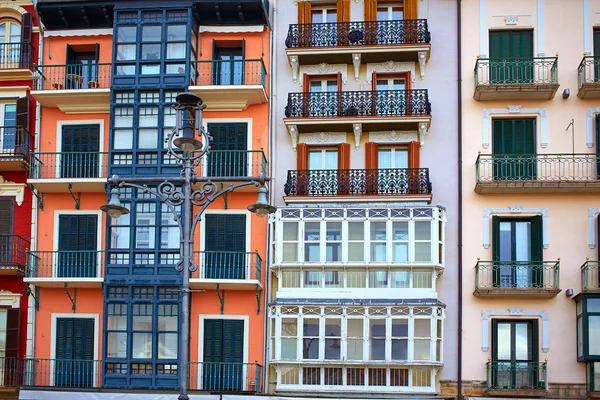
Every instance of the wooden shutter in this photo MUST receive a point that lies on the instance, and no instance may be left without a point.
(496, 238)
(26, 56)
(6, 215)
(302, 157)
(213, 334)
(305, 83)
(597, 42)
(370, 10)
(343, 156)
(304, 12)
(233, 341)
(414, 155)
(339, 81)
(343, 10)
(64, 339)
(537, 246)
(13, 319)
(410, 9)
(372, 155)
(508, 44)
(23, 112)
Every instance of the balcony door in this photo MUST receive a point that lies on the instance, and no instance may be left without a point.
(596, 55)
(228, 66)
(323, 26)
(389, 29)
(223, 367)
(517, 251)
(323, 97)
(229, 150)
(513, 149)
(77, 246)
(598, 146)
(389, 98)
(74, 364)
(10, 366)
(80, 146)
(511, 57)
(10, 39)
(392, 170)
(82, 67)
(514, 355)
(224, 246)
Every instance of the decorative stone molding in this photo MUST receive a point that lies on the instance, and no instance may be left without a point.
(293, 131)
(295, 64)
(12, 6)
(511, 20)
(10, 189)
(323, 138)
(487, 112)
(488, 212)
(9, 299)
(422, 61)
(592, 212)
(511, 312)
(357, 130)
(356, 62)
(325, 68)
(422, 132)
(390, 67)
(393, 136)
(589, 126)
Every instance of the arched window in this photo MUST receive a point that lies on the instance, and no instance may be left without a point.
(10, 43)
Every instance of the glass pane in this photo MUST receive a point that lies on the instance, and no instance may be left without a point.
(167, 345)
(422, 230)
(400, 155)
(147, 138)
(354, 349)
(289, 327)
(289, 351)
(332, 349)
(126, 52)
(312, 279)
(504, 341)
(422, 328)
(290, 231)
(117, 345)
(523, 241)
(594, 334)
(422, 280)
(151, 33)
(356, 231)
(175, 50)
(331, 159)
(311, 339)
(378, 279)
(521, 341)
(400, 252)
(384, 157)
(315, 87)
(423, 252)
(150, 51)
(505, 241)
(593, 305)
(356, 279)
(176, 33)
(400, 230)
(150, 69)
(332, 279)
(127, 34)
(356, 252)
(142, 345)
(378, 231)
(114, 323)
(354, 328)
(290, 252)
(312, 231)
(400, 279)
(422, 349)
(399, 349)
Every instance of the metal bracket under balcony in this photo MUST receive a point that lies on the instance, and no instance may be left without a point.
(373, 41)
(517, 279)
(371, 110)
(358, 185)
(537, 173)
(516, 79)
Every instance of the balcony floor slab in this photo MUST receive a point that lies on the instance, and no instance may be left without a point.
(531, 187)
(515, 92)
(542, 293)
(71, 282)
(425, 198)
(76, 101)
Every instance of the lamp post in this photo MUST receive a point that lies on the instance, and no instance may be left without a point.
(190, 137)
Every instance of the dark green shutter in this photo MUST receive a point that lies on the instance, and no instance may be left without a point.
(77, 245)
(537, 257)
(6, 215)
(223, 354)
(513, 148)
(598, 146)
(496, 250)
(231, 143)
(225, 246)
(80, 146)
(511, 56)
(74, 364)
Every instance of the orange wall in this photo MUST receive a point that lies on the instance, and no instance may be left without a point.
(48, 127)
(55, 48)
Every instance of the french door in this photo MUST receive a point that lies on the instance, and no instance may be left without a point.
(77, 244)
(223, 367)
(74, 364)
(514, 355)
(511, 57)
(80, 146)
(513, 149)
(390, 96)
(389, 30)
(230, 142)
(323, 98)
(225, 246)
(228, 66)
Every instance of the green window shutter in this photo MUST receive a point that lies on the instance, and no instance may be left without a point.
(494, 339)
(64, 339)
(597, 42)
(598, 144)
(496, 238)
(495, 45)
(524, 44)
(233, 341)
(212, 340)
(537, 238)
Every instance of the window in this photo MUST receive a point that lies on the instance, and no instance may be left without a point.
(229, 155)
(513, 147)
(223, 349)
(74, 364)
(514, 355)
(390, 12)
(517, 251)
(225, 247)
(9, 346)
(323, 14)
(228, 65)
(77, 246)
(10, 42)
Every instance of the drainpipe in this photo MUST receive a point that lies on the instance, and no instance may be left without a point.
(460, 195)
(267, 291)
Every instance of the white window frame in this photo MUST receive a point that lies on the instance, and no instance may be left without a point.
(324, 85)
(324, 12)
(395, 150)
(390, 8)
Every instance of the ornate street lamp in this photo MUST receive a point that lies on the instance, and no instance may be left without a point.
(178, 191)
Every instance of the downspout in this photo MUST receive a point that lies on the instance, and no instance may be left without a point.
(460, 195)
(271, 135)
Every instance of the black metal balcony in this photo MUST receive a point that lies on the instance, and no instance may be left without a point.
(358, 182)
(381, 103)
(16, 56)
(13, 254)
(17, 142)
(358, 33)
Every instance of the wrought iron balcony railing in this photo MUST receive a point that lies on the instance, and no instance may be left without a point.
(235, 163)
(380, 103)
(358, 182)
(538, 167)
(76, 164)
(590, 276)
(227, 265)
(358, 33)
(16, 56)
(516, 375)
(588, 70)
(13, 252)
(74, 76)
(517, 275)
(532, 71)
(225, 377)
(16, 141)
(235, 72)
(65, 264)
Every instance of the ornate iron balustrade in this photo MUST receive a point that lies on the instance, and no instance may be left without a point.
(16, 141)
(590, 276)
(235, 163)
(16, 56)
(516, 375)
(65, 264)
(76, 164)
(588, 70)
(13, 252)
(537, 167)
(225, 377)
(358, 33)
(236, 72)
(517, 275)
(380, 103)
(358, 182)
(51, 372)
(533, 71)
(227, 265)
(74, 76)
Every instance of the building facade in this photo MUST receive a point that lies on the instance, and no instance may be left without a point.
(108, 311)
(363, 246)
(18, 54)
(530, 148)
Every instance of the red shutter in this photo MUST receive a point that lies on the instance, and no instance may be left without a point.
(302, 154)
(344, 156)
(410, 9)
(414, 152)
(305, 83)
(372, 155)
(343, 169)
